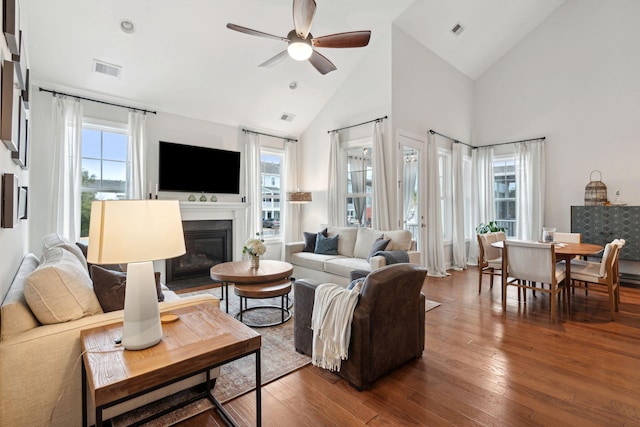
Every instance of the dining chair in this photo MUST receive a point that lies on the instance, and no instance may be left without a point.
(567, 237)
(603, 276)
(489, 258)
(527, 263)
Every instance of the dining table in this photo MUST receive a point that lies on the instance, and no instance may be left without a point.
(566, 252)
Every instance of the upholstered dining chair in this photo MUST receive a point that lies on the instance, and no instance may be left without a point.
(528, 263)
(489, 258)
(605, 275)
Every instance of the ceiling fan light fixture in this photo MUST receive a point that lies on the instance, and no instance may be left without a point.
(300, 50)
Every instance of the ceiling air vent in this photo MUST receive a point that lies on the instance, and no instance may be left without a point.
(457, 29)
(287, 117)
(105, 68)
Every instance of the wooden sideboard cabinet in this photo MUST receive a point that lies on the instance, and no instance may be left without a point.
(602, 224)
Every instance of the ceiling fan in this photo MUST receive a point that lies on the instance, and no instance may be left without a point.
(301, 43)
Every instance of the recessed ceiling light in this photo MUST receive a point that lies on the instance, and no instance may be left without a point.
(127, 26)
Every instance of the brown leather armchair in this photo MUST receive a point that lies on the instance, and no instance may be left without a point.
(388, 322)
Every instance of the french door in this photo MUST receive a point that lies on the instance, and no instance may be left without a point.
(412, 175)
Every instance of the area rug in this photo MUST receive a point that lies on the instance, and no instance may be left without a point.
(430, 305)
(278, 358)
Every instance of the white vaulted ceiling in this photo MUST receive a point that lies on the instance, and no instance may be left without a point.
(182, 59)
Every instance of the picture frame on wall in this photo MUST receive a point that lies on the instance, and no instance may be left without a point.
(20, 157)
(11, 25)
(9, 200)
(20, 63)
(8, 130)
(23, 199)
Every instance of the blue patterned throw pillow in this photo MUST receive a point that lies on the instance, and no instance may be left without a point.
(326, 245)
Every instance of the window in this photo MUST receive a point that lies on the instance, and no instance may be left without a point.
(104, 167)
(359, 196)
(469, 227)
(271, 168)
(504, 187)
(446, 197)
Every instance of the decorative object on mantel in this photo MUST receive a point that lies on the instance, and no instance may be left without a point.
(254, 248)
(595, 193)
(214, 198)
(192, 198)
(203, 198)
(618, 200)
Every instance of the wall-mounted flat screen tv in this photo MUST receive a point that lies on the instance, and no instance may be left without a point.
(195, 169)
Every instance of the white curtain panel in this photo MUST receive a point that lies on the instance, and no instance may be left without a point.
(459, 252)
(66, 176)
(136, 170)
(290, 213)
(530, 178)
(254, 185)
(435, 242)
(336, 215)
(482, 196)
(380, 208)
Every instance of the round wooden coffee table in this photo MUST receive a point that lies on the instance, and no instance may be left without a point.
(269, 280)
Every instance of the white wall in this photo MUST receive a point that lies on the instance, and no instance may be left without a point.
(575, 80)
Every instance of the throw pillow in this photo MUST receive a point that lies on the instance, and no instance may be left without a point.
(110, 285)
(353, 283)
(326, 245)
(60, 290)
(378, 245)
(84, 249)
(310, 241)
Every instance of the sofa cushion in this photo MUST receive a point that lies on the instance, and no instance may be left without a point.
(347, 242)
(343, 266)
(15, 315)
(310, 240)
(54, 240)
(311, 261)
(379, 245)
(326, 245)
(400, 240)
(365, 238)
(110, 286)
(60, 289)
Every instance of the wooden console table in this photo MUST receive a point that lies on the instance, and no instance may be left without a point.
(201, 339)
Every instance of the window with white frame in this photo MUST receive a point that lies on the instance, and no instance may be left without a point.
(505, 186)
(271, 161)
(469, 227)
(104, 166)
(359, 194)
(446, 196)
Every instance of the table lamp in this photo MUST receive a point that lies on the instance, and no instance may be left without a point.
(136, 232)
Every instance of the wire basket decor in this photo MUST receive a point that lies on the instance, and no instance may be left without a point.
(595, 193)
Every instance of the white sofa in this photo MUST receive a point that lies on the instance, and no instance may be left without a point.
(40, 364)
(354, 246)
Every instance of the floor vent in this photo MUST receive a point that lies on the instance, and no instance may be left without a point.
(105, 68)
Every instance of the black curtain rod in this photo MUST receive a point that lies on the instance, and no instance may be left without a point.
(266, 134)
(544, 138)
(379, 119)
(96, 100)
(490, 145)
(431, 131)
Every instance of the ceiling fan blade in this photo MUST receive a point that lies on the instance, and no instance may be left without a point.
(274, 60)
(350, 39)
(322, 64)
(303, 11)
(255, 32)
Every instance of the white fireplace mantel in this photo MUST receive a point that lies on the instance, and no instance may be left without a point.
(237, 212)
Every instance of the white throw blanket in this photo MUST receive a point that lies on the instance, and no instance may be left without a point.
(331, 323)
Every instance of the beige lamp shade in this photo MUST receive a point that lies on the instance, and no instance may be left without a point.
(299, 197)
(124, 231)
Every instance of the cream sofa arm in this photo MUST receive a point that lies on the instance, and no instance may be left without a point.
(292, 248)
(375, 262)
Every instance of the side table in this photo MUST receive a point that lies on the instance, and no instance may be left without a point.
(201, 339)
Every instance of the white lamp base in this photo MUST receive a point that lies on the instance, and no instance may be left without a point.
(142, 328)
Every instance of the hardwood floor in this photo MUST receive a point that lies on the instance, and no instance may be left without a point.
(483, 367)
